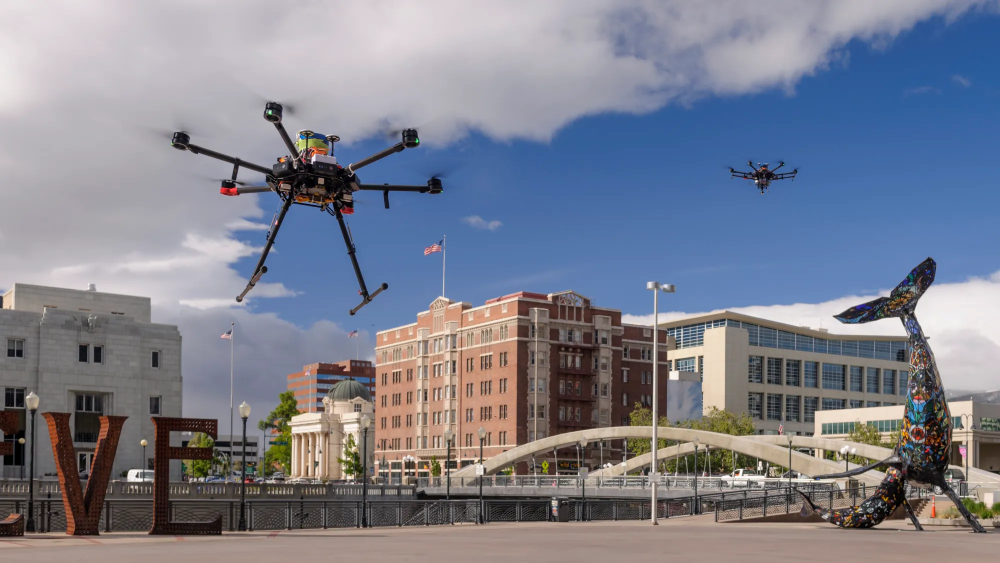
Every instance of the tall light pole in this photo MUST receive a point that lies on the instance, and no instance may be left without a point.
(968, 444)
(789, 463)
(244, 415)
(21, 441)
(31, 401)
(583, 482)
(366, 421)
(696, 475)
(482, 434)
(656, 287)
(144, 465)
(843, 453)
(448, 435)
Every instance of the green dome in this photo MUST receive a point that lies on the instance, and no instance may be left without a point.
(348, 390)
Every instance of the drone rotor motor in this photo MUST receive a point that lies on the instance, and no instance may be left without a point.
(180, 141)
(272, 112)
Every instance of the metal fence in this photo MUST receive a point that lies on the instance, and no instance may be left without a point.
(231, 491)
(630, 482)
(785, 502)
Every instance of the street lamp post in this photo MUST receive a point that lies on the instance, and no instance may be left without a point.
(448, 435)
(21, 441)
(244, 415)
(31, 401)
(656, 287)
(789, 463)
(696, 475)
(843, 453)
(968, 445)
(144, 465)
(482, 434)
(366, 421)
(583, 481)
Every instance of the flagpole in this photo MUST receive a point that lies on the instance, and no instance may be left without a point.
(357, 344)
(232, 337)
(444, 250)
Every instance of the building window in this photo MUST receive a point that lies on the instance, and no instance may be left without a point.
(888, 382)
(625, 353)
(154, 359)
(15, 348)
(856, 379)
(904, 381)
(792, 408)
(809, 408)
(871, 385)
(98, 354)
(624, 375)
(870, 404)
(774, 371)
(154, 405)
(810, 374)
(792, 373)
(13, 398)
(83, 354)
(856, 403)
(755, 370)
(832, 404)
(90, 403)
(773, 407)
(755, 406)
(686, 364)
(833, 377)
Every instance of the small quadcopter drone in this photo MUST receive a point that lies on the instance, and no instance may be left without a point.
(310, 176)
(762, 177)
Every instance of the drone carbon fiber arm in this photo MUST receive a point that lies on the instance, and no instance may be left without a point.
(785, 175)
(355, 166)
(393, 188)
(226, 158)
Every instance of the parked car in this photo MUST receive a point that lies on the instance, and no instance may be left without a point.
(742, 478)
(139, 476)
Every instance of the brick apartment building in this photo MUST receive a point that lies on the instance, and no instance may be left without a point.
(461, 367)
(315, 380)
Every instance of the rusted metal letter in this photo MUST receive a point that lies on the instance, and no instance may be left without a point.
(8, 425)
(163, 453)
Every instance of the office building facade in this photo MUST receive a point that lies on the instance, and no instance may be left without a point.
(313, 383)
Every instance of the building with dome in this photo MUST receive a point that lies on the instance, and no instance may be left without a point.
(319, 438)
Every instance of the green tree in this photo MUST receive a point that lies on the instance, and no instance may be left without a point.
(351, 462)
(545, 467)
(715, 420)
(435, 466)
(869, 434)
(280, 452)
(509, 470)
(201, 467)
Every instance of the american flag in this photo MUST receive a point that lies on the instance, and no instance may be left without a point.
(352, 334)
(436, 247)
(781, 429)
(228, 335)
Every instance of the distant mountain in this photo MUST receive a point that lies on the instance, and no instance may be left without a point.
(992, 397)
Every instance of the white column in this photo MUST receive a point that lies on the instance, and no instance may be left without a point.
(296, 464)
(311, 457)
(324, 466)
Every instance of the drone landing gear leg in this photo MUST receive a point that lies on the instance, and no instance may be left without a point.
(261, 269)
(366, 297)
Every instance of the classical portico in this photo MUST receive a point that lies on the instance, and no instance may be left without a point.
(319, 439)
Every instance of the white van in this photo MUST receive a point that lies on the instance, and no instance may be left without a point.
(139, 475)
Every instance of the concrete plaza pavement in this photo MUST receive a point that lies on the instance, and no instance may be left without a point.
(680, 539)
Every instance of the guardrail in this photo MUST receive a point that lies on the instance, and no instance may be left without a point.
(786, 502)
(631, 482)
(254, 491)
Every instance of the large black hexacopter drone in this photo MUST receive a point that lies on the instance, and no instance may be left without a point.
(310, 176)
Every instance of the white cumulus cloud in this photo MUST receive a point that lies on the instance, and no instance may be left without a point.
(961, 319)
(478, 222)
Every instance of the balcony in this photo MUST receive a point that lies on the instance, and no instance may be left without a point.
(586, 397)
(85, 438)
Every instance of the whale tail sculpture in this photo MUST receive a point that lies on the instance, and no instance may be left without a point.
(922, 452)
(901, 302)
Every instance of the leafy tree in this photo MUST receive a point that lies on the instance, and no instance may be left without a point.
(545, 467)
(509, 470)
(280, 454)
(719, 421)
(351, 462)
(435, 466)
(201, 467)
(869, 434)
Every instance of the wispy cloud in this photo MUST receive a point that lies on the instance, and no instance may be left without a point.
(921, 90)
(478, 222)
(961, 81)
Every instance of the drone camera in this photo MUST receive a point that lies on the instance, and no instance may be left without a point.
(434, 185)
(410, 138)
(180, 141)
(272, 112)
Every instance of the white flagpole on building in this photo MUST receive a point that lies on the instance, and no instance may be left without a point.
(232, 337)
(357, 344)
(444, 249)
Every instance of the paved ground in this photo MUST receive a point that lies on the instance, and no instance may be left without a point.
(675, 540)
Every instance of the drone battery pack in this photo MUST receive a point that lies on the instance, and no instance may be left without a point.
(324, 168)
(283, 169)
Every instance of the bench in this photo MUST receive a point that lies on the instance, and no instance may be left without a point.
(12, 525)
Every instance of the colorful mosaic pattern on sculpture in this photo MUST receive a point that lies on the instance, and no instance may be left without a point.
(925, 436)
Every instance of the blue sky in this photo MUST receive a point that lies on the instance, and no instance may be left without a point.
(888, 177)
(596, 132)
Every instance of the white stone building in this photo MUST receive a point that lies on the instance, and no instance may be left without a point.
(319, 439)
(89, 354)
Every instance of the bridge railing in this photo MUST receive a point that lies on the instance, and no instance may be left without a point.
(629, 482)
(254, 491)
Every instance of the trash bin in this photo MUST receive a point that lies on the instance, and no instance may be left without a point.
(560, 510)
